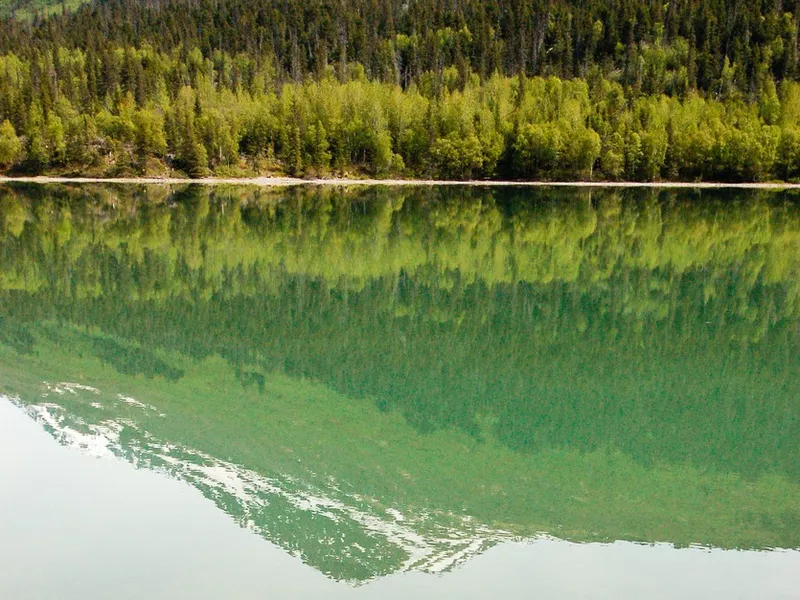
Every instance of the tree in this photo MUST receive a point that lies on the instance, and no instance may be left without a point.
(537, 149)
(149, 132)
(612, 164)
(455, 157)
(789, 152)
(38, 156)
(81, 139)
(55, 138)
(769, 104)
(294, 151)
(318, 152)
(194, 156)
(10, 144)
(654, 152)
(633, 155)
(581, 151)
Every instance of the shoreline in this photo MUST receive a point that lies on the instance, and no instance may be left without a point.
(294, 181)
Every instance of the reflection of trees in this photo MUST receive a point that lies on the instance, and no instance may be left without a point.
(194, 238)
(663, 325)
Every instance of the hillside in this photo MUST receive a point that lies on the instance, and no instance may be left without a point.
(552, 89)
(655, 46)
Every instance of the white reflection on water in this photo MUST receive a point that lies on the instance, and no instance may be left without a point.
(73, 527)
(431, 543)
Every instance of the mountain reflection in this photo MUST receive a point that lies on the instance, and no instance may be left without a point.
(384, 379)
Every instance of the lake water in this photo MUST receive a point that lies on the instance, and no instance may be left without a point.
(240, 392)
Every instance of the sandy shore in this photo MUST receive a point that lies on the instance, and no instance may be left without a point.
(292, 181)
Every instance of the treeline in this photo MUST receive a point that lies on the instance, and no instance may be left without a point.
(544, 90)
(195, 241)
(163, 116)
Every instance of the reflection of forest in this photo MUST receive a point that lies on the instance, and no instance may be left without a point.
(664, 324)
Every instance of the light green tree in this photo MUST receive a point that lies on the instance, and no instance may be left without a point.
(10, 144)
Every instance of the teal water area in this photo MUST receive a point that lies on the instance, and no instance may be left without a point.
(417, 391)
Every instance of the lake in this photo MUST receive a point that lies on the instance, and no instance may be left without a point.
(416, 392)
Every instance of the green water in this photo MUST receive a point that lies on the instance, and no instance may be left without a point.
(400, 379)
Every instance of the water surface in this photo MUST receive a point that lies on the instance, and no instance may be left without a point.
(352, 390)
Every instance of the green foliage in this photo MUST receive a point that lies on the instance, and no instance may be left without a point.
(204, 113)
(10, 144)
(463, 90)
(612, 160)
(581, 151)
(456, 157)
(537, 149)
(149, 133)
(789, 152)
(193, 157)
(721, 48)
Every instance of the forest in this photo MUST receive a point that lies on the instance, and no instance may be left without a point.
(631, 90)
